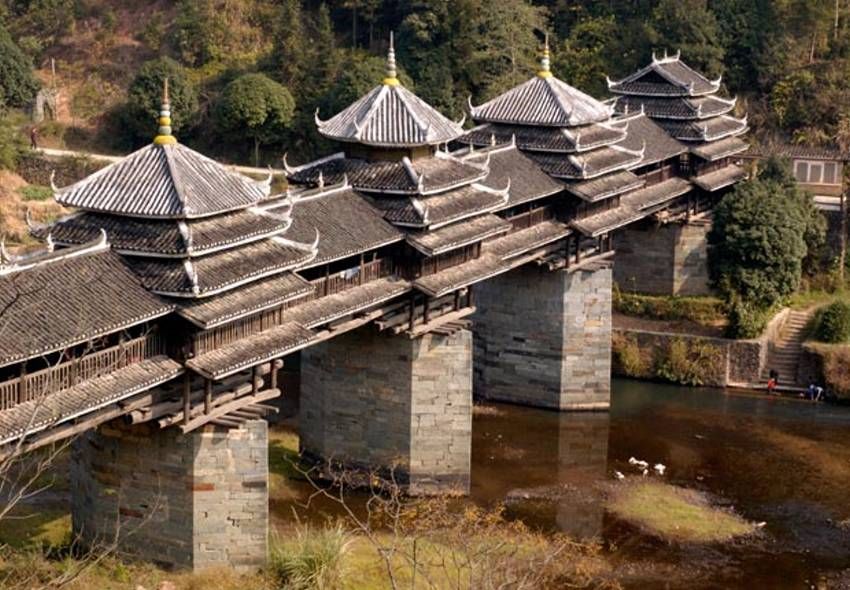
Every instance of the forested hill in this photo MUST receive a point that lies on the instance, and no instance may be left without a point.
(251, 73)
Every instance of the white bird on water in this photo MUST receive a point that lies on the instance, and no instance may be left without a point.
(660, 468)
(619, 475)
(638, 463)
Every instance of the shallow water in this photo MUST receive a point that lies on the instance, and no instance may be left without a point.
(782, 462)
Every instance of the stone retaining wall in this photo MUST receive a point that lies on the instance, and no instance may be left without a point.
(187, 501)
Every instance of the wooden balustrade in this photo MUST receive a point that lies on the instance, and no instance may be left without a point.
(352, 277)
(531, 218)
(64, 375)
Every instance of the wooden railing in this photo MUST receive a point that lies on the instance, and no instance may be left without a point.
(64, 375)
(440, 262)
(659, 175)
(358, 275)
(530, 218)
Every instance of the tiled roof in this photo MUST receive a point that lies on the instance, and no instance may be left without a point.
(668, 76)
(458, 234)
(70, 296)
(214, 273)
(347, 224)
(163, 181)
(390, 116)
(723, 148)
(520, 242)
(588, 164)
(437, 210)
(604, 187)
(804, 152)
(646, 134)
(528, 182)
(704, 130)
(419, 176)
(718, 179)
(255, 297)
(546, 139)
(701, 107)
(544, 101)
(461, 275)
(161, 237)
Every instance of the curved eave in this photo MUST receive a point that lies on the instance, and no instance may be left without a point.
(347, 139)
(135, 215)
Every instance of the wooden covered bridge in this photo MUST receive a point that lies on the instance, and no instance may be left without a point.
(155, 323)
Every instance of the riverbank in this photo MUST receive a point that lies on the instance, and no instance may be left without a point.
(768, 460)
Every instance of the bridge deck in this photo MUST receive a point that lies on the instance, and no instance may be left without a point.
(56, 408)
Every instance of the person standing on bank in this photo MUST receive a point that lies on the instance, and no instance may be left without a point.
(34, 138)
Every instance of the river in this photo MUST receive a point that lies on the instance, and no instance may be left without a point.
(782, 462)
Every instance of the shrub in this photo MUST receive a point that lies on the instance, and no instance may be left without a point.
(18, 85)
(836, 371)
(689, 364)
(314, 559)
(628, 358)
(746, 321)
(833, 323)
(35, 192)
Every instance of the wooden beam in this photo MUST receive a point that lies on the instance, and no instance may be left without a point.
(449, 318)
(207, 396)
(187, 396)
(226, 408)
(273, 374)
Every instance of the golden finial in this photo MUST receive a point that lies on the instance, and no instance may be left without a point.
(544, 61)
(392, 74)
(164, 137)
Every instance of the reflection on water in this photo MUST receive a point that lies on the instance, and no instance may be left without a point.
(783, 462)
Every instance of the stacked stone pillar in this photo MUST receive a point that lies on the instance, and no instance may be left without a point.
(190, 501)
(377, 402)
(669, 259)
(543, 338)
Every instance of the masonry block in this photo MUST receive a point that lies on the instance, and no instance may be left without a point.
(543, 338)
(374, 401)
(667, 259)
(182, 501)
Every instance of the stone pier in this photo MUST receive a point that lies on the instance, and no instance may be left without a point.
(667, 259)
(543, 338)
(181, 501)
(374, 401)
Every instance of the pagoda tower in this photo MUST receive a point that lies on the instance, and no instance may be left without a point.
(688, 106)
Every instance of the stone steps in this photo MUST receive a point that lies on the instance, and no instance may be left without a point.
(784, 354)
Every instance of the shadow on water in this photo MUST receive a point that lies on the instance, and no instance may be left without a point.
(782, 462)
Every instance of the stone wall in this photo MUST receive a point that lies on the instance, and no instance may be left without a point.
(734, 362)
(374, 401)
(187, 501)
(668, 259)
(544, 338)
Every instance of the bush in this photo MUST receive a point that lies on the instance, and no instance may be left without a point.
(35, 192)
(833, 323)
(746, 321)
(689, 364)
(18, 85)
(314, 559)
(836, 371)
(628, 358)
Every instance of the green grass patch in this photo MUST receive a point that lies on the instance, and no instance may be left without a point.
(35, 192)
(701, 310)
(28, 527)
(675, 514)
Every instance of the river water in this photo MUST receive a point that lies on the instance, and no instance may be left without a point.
(785, 463)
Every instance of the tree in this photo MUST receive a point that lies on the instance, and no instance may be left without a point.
(762, 232)
(255, 106)
(359, 74)
(145, 99)
(689, 26)
(18, 86)
(583, 59)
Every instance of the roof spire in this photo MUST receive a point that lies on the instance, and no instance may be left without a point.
(544, 60)
(164, 137)
(392, 74)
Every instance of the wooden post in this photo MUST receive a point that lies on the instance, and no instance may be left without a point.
(426, 310)
(362, 270)
(412, 310)
(187, 391)
(470, 300)
(578, 248)
(327, 279)
(22, 384)
(255, 388)
(273, 374)
(457, 300)
(207, 395)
